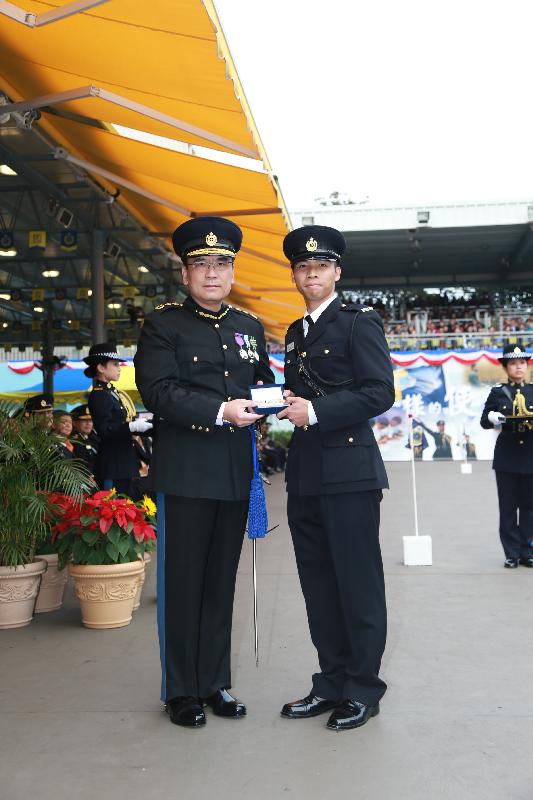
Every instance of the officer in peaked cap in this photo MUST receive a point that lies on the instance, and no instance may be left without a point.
(84, 438)
(113, 414)
(339, 376)
(193, 368)
(513, 455)
(40, 408)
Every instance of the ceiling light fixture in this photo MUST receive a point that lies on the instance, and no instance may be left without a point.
(38, 309)
(142, 268)
(113, 305)
(6, 170)
(50, 273)
(8, 253)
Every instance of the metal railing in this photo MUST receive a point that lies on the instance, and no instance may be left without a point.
(452, 341)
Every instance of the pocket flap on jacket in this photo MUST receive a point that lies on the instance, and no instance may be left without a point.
(349, 437)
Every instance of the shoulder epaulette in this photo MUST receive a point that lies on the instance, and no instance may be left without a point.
(498, 385)
(296, 321)
(242, 311)
(98, 389)
(356, 307)
(165, 306)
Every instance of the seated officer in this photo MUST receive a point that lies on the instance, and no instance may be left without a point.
(62, 427)
(39, 409)
(513, 456)
(84, 438)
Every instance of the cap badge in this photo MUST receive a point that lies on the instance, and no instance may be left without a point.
(43, 402)
(311, 245)
(517, 350)
(211, 239)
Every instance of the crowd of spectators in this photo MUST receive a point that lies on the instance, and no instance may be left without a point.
(429, 321)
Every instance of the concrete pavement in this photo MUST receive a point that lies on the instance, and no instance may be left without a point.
(79, 709)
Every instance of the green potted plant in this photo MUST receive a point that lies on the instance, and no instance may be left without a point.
(104, 542)
(31, 467)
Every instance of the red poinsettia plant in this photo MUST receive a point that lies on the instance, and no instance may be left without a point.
(105, 528)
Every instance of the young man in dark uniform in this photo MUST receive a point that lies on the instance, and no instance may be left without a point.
(84, 438)
(339, 373)
(513, 457)
(116, 462)
(194, 365)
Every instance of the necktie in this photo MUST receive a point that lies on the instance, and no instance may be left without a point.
(310, 322)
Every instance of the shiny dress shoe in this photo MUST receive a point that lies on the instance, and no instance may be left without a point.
(224, 705)
(351, 714)
(310, 706)
(185, 711)
(527, 562)
(511, 563)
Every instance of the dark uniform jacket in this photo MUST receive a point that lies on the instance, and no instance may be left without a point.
(188, 362)
(86, 448)
(116, 456)
(514, 446)
(346, 355)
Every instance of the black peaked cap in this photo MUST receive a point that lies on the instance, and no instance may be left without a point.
(203, 236)
(314, 241)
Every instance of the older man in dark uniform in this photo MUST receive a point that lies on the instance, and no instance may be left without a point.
(194, 365)
(339, 376)
(40, 409)
(513, 456)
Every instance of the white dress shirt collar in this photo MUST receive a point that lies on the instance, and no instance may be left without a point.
(318, 311)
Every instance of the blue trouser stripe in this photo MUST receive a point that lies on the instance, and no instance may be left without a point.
(160, 501)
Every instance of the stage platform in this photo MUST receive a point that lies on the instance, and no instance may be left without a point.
(80, 716)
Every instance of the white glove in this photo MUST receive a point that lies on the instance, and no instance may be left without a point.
(496, 417)
(140, 426)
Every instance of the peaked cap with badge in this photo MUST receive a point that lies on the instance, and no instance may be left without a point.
(81, 412)
(37, 404)
(511, 352)
(314, 241)
(206, 236)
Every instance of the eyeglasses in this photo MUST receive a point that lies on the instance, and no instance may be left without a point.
(204, 266)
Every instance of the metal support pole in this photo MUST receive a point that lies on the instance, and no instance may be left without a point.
(97, 285)
(48, 352)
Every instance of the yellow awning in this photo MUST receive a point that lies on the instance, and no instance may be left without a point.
(169, 57)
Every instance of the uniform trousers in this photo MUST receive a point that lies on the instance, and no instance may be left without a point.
(336, 543)
(515, 496)
(198, 551)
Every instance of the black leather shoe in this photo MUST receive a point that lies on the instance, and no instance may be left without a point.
(224, 705)
(185, 711)
(310, 706)
(511, 563)
(527, 562)
(351, 714)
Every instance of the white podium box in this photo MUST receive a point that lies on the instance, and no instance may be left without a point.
(417, 551)
(466, 468)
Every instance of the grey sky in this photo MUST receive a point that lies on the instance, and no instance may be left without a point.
(404, 101)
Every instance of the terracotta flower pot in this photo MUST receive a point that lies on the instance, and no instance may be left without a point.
(52, 586)
(106, 592)
(18, 590)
